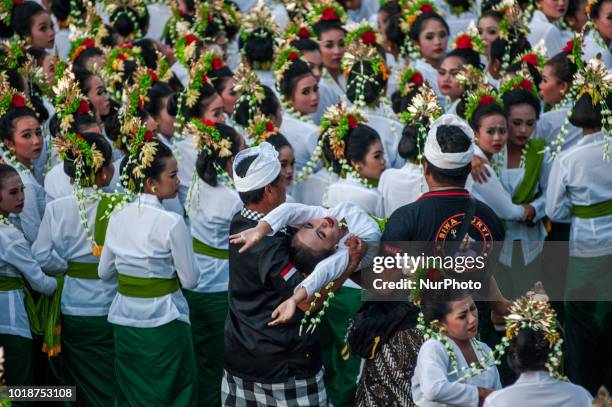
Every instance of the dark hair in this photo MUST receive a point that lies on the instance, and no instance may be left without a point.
(357, 142)
(269, 106)
(417, 26)
(483, 111)
(528, 351)
(7, 122)
(220, 77)
(38, 54)
(488, 12)
(464, 4)
(61, 8)
(101, 145)
(585, 115)
(296, 71)
(469, 57)
(451, 140)
(23, 17)
(15, 79)
(79, 121)
(393, 32)
(595, 9)
(5, 172)
(205, 163)
(81, 61)
(153, 171)
(305, 45)
(304, 258)
(499, 48)
(519, 97)
(400, 103)
(563, 68)
(122, 21)
(373, 87)
(257, 46)
(83, 76)
(435, 303)
(323, 26)
(157, 93)
(148, 52)
(113, 122)
(205, 98)
(534, 72)
(407, 147)
(251, 197)
(279, 141)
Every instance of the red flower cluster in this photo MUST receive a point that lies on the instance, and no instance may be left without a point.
(18, 101)
(293, 56)
(531, 59)
(426, 8)
(329, 14)
(216, 63)
(15, 2)
(526, 84)
(208, 123)
(89, 43)
(148, 136)
(464, 42)
(189, 38)
(140, 102)
(303, 33)
(417, 78)
(83, 108)
(204, 77)
(269, 126)
(569, 47)
(486, 100)
(152, 75)
(368, 38)
(80, 137)
(210, 17)
(352, 122)
(122, 56)
(126, 46)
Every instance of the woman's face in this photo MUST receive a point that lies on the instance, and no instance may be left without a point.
(168, 182)
(603, 21)
(42, 33)
(521, 123)
(554, 9)
(433, 40)
(552, 89)
(214, 111)
(461, 322)
(488, 28)
(315, 63)
(305, 98)
(27, 140)
(492, 134)
(373, 164)
(165, 121)
(447, 79)
(332, 48)
(320, 234)
(11, 194)
(48, 67)
(287, 161)
(98, 97)
(580, 18)
(229, 95)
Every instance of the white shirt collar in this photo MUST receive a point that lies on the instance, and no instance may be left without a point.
(148, 199)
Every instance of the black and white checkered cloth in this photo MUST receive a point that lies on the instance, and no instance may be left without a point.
(249, 214)
(236, 392)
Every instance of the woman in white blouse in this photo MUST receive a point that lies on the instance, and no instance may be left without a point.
(66, 245)
(154, 358)
(545, 25)
(16, 263)
(599, 39)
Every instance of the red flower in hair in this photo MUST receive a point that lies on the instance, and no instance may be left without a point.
(417, 78)
(83, 108)
(148, 136)
(352, 122)
(208, 123)
(89, 43)
(189, 38)
(303, 33)
(126, 46)
(210, 16)
(329, 14)
(531, 59)
(368, 38)
(15, 2)
(464, 42)
(80, 137)
(486, 100)
(525, 84)
(216, 63)
(569, 47)
(22, 48)
(293, 56)
(152, 75)
(204, 77)
(140, 103)
(269, 126)
(18, 101)
(122, 56)
(426, 8)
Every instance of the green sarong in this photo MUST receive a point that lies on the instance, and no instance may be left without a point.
(155, 366)
(533, 167)
(340, 374)
(88, 351)
(207, 312)
(18, 363)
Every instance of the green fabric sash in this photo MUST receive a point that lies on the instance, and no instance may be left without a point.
(146, 287)
(49, 311)
(203, 248)
(11, 283)
(106, 202)
(82, 270)
(533, 167)
(593, 211)
(16, 283)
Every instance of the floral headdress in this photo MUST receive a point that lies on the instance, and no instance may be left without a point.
(15, 56)
(6, 10)
(522, 80)
(113, 70)
(540, 317)
(132, 9)
(364, 33)
(69, 101)
(470, 77)
(357, 52)
(470, 39)
(249, 88)
(299, 29)
(589, 6)
(298, 8)
(10, 97)
(481, 97)
(326, 10)
(186, 47)
(223, 14)
(412, 9)
(512, 24)
(535, 57)
(285, 57)
(259, 19)
(176, 24)
(337, 121)
(142, 147)
(261, 128)
(135, 96)
(86, 33)
(409, 78)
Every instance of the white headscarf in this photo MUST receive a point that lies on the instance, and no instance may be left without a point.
(448, 161)
(262, 171)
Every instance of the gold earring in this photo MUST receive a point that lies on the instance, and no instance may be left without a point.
(154, 188)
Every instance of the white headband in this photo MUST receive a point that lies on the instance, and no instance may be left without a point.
(262, 171)
(448, 161)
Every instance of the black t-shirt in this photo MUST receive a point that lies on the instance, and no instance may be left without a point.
(259, 280)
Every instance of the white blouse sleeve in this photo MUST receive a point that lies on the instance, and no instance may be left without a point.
(326, 271)
(31, 215)
(182, 253)
(106, 267)
(21, 258)
(558, 205)
(292, 214)
(43, 249)
(497, 198)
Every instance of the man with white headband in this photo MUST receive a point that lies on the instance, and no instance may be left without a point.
(263, 362)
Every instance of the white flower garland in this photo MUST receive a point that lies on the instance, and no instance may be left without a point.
(6, 221)
(290, 110)
(11, 160)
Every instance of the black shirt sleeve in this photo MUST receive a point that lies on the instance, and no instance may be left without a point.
(275, 269)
